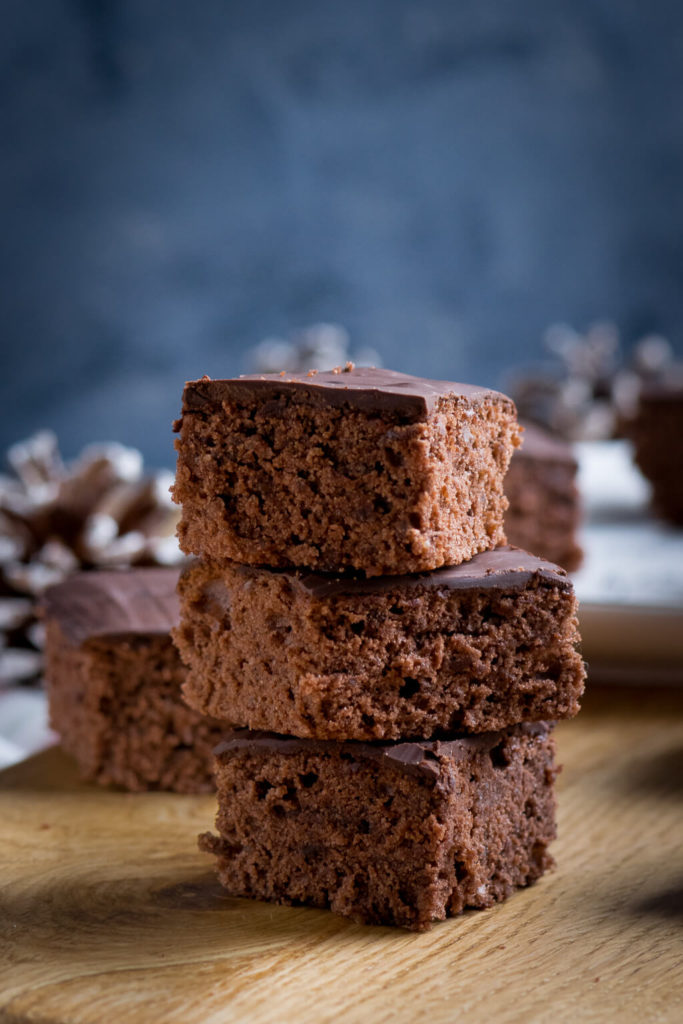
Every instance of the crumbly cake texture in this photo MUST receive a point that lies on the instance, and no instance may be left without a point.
(657, 434)
(544, 513)
(402, 834)
(476, 647)
(114, 678)
(361, 469)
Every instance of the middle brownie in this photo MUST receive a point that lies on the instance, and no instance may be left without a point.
(477, 647)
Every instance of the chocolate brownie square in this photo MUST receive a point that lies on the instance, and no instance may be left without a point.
(545, 507)
(362, 469)
(114, 679)
(476, 647)
(657, 434)
(396, 834)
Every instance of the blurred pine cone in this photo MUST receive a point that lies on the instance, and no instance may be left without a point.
(319, 347)
(101, 511)
(591, 389)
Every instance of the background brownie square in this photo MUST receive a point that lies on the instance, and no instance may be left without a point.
(657, 434)
(361, 469)
(114, 680)
(545, 506)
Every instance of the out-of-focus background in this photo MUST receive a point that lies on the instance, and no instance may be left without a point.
(179, 181)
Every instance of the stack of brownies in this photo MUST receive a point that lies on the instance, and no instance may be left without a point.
(390, 671)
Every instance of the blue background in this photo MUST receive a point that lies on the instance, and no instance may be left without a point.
(446, 179)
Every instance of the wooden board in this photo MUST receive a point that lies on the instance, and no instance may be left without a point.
(108, 913)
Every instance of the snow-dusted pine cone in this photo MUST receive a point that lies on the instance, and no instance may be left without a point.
(101, 511)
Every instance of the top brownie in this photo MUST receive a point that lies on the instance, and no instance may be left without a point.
(354, 469)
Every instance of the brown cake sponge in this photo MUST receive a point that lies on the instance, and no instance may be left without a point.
(475, 647)
(397, 834)
(362, 469)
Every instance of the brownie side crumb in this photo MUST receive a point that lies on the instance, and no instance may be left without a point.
(408, 661)
(116, 704)
(378, 842)
(291, 483)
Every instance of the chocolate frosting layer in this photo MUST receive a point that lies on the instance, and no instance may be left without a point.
(113, 603)
(668, 388)
(504, 568)
(422, 757)
(370, 389)
(539, 444)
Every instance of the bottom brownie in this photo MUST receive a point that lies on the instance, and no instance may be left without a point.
(385, 833)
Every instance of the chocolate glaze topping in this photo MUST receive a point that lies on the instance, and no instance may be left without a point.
(367, 388)
(422, 757)
(112, 603)
(504, 568)
(539, 444)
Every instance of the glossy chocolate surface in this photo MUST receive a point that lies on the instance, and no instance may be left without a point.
(114, 603)
(418, 756)
(504, 568)
(366, 388)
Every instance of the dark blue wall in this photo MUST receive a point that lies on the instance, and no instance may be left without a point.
(179, 179)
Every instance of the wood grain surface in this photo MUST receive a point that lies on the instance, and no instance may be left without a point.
(109, 914)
